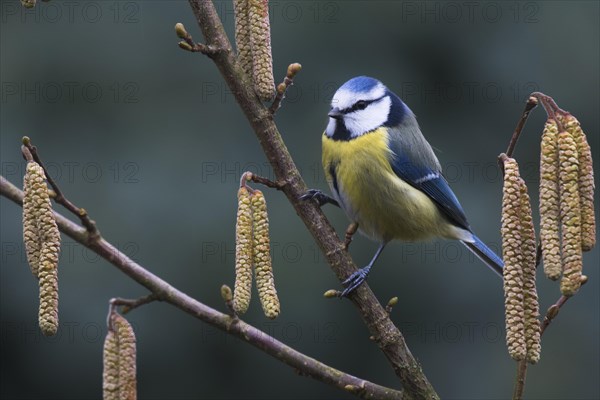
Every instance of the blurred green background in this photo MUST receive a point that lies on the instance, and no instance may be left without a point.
(148, 139)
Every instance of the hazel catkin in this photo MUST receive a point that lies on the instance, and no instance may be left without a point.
(242, 35)
(511, 251)
(28, 3)
(530, 297)
(31, 235)
(260, 40)
(585, 182)
(570, 214)
(243, 253)
(549, 204)
(262, 257)
(119, 374)
(42, 241)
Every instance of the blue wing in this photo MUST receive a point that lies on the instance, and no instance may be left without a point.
(432, 183)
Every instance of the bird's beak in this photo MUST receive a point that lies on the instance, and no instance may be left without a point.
(335, 113)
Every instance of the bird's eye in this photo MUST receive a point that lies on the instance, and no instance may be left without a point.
(360, 105)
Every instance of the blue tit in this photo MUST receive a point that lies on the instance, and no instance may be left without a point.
(385, 176)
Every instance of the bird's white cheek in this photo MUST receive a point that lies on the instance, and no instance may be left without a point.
(363, 121)
(330, 127)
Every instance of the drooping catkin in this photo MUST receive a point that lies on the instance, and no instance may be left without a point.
(511, 251)
(262, 257)
(260, 40)
(110, 372)
(48, 275)
(530, 297)
(243, 253)
(550, 202)
(585, 182)
(242, 35)
(42, 241)
(28, 3)
(31, 235)
(570, 214)
(119, 374)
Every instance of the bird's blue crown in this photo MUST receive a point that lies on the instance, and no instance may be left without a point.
(361, 84)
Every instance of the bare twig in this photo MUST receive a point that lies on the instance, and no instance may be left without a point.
(534, 99)
(249, 176)
(553, 310)
(549, 105)
(520, 380)
(30, 152)
(131, 304)
(163, 291)
(388, 337)
(188, 43)
(532, 102)
(288, 81)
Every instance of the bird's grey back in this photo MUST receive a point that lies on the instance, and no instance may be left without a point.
(409, 144)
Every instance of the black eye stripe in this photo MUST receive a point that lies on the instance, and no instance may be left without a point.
(358, 106)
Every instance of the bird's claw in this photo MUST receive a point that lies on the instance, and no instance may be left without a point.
(315, 194)
(354, 281)
(320, 197)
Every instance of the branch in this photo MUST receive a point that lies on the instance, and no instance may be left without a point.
(534, 99)
(163, 291)
(388, 337)
(249, 176)
(30, 153)
(129, 305)
(532, 102)
(188, 43)
(288, 81)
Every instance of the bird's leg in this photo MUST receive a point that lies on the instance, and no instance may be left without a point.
(320, 197)
(350, 231)
(357, 278)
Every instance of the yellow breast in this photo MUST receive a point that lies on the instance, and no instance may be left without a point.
(385, 207)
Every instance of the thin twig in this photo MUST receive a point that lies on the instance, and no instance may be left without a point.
(549, 105)
(288, 81)
(188, 43)
(59, 197)
(250, 176)
(387, 336)
(532, 102)
(520, 381)
(163, 291)
(131, 304)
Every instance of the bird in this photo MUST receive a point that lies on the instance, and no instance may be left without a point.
(385, 176)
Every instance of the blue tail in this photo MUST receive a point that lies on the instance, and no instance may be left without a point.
(486, 255)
